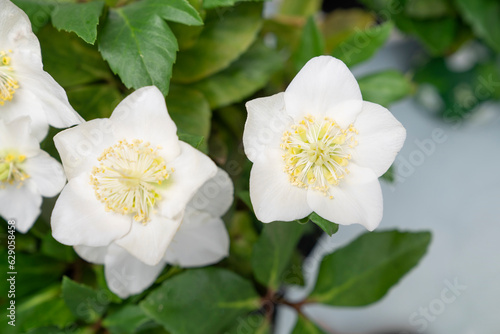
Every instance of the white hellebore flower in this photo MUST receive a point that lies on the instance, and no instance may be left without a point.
(318, 147)
(129, 179)
(25, 88)
(26, 174)
(201, 240)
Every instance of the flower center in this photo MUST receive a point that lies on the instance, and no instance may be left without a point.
(317, 153)
(8, 84)
(11, 169)
(128, 178)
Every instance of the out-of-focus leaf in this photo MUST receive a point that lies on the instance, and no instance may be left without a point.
(385, 87)
(273, 251)
(126, 320)
(56, 250)
(243, 237)
(300, 7)
(327, 226)
(254, 323)
(311, 44)
(94, 101)
(84, 302)
(139, 46)
(389, 175)
(363, 44)
(483, 17)
(38, 11)
(193, 140)
(363, 271)
(294, 274)
(225, 37)
(242, 78)
(427, 9)
(223, 3)
(188, 35)
(305, 326)
(177, 305)
(80, 18)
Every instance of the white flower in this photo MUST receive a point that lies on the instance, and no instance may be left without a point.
(201, 240)
(25, 88)
(129, 179)
(319, 147)
(26, 174)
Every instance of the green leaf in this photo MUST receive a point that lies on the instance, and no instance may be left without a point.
(254, 323)
(207, 4)
(38, 11)
(300, 7)
(362, 44)
(139, 47)
(363, 271)
(311, 44)
(273, 251)
(201, 301)
(385, 87)
(80, 18)
(389, 176)
(306, 326)
(222, 41)
(326, 225)
(94, 101)
(294, 274)
(193, 140)
(483, 17)
(242, 78)
(126, 320)
(84, 302)
(427, 9)
(180, 11)
(56, 250)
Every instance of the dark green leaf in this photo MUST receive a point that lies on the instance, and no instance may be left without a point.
(254, 323)
(193, 140)
(222, 3)
(38, 11)
(80, 18)
(139, 46)
(294, 274)
(126, 320)
(84, 302)
(201, 301)
(94, 101)
(483, 16)
(273, 251)
(385, 87)
(242, 78)
(428, 9)
(306, 326)
(56, 250)
(363, 44)
(363, 271)
(389, 175)
(311, 44)
(326, 225)
(222, 41)
(180, 11)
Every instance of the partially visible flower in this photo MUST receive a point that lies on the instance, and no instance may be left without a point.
(25, 88)
(26, 174)
(129, 179)
(319, 147)
(201, 240)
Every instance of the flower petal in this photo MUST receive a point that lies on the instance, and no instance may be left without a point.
(148, 242)
(126, 275)
(345, 113)
(267, 120)
(16, 29)
(380, 138)
(92, 254)
(143, 115)
(356, 200)
(79, 147)
(191, 170)
(321, 84)
(201, 240)
(21, 204)
(273, 196)
(215, 196)
(16, 135)
(79, 218)
(47, 173)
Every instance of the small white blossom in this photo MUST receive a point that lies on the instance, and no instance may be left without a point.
(25, 88)
(201, 240)
(318, 147)
(26, 174)
(129, 179)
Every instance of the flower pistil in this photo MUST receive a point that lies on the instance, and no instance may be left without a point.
(11, 169)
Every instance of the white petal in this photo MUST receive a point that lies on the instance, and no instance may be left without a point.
(215, 196)
(126, 275)
(24, 104)
(345, 113)
(47, 173)
(356, 200)
(16, 135)
(143, 115)
(92, 254)
(191, 170)
(273, 196)
(148, 242)
(321, 84)
(79, 218)
(201, 240)
(380, 138)
(21, 204)
(267, 120)
(16, 28)
(79, 147)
